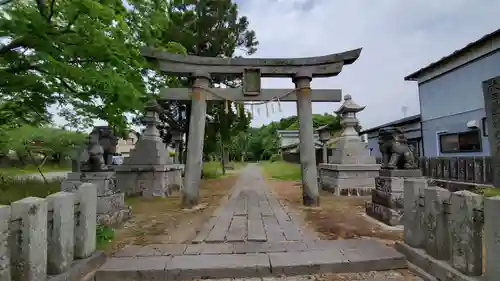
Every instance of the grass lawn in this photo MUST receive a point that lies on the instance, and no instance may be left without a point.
(213, 169)
(488, 192)
(13, 189)
(30, 169)
(281, 170)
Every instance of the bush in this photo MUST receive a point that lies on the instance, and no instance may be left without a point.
(211, 170)
(104, 235)
(13, 188)
(275, 158)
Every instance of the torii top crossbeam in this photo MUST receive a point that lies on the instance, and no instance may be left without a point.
(322, 66)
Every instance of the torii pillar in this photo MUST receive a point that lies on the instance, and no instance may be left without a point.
(309, 173)
(301, 70)
(194, 161)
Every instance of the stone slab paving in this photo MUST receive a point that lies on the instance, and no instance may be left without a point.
(313, 278)
(250, 235)
(251, 214)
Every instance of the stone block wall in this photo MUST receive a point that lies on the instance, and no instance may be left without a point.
(42, 237)
(450, 234)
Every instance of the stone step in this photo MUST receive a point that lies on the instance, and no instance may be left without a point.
(311, 277)
(185, 267)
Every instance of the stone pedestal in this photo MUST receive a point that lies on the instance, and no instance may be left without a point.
(387, 198)
(111, 209)
(348, 179)
(150, 181)
(149, 171)
(352, 170)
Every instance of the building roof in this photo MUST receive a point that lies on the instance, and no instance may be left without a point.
(317, 144)
(293, 132)
(453, 55)
(399, 122)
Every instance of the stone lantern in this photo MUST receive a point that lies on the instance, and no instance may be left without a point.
(349, 121)
(324, 136)
(352, 170)
(176, 141)
(149, 171)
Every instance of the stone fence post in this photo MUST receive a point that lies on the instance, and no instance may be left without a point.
(413, 219)
(466, 232)
(29, 244)
(449, 227)
(86, 217)
(436, 222)
(61, 231)
(492, 238)
(40, 236)
(4, 246)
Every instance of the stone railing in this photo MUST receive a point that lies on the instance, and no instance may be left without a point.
(46, 239)
(449, 235)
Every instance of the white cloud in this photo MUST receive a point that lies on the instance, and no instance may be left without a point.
(397, 37)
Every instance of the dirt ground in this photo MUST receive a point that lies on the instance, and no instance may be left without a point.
(338, 217)
(164, 221)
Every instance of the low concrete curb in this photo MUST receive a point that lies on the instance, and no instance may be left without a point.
(431, 266)
(80, 268)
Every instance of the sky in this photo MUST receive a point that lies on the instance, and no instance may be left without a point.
(397, 37)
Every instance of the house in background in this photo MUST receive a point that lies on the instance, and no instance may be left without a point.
(409, 125)
(451, 99)
(289, 141)
(126, 144)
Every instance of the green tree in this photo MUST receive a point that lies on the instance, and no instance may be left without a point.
(71, 53)
(82, 56)
(211, 29)
(49, 142)
(332, 121)
(264, 141)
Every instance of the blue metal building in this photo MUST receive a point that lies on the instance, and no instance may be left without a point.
(451, 100)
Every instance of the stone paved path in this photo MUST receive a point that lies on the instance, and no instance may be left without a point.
(250, 235)
(252, 214)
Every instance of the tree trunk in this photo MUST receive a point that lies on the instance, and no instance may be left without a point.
(226, 155)
(222, 158)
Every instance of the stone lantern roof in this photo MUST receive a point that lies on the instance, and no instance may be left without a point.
(349, 106)
(321, 129)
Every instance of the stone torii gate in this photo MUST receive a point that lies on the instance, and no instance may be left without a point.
(300, 70)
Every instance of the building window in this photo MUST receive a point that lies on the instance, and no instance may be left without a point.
(485, 127)
(414, 145)
(469, 141)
